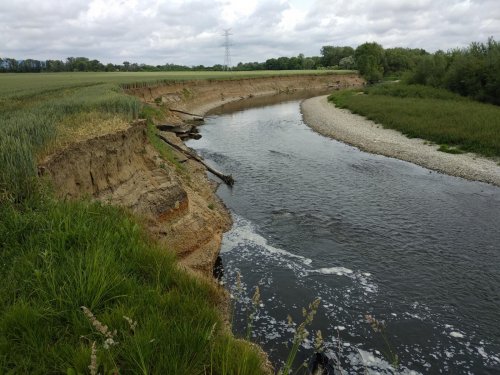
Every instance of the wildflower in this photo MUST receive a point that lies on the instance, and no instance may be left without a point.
(318, 341)
(211, 333)
(256, 297)
(93, 360)
(239, 285)
(131, 323)
(101, 328)
(376, 325)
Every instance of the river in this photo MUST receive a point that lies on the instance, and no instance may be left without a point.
(368, 235)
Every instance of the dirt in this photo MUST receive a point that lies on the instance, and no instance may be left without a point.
(180, 206)
(198, 97)
(124, 169)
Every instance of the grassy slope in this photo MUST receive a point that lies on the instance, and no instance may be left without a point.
(433, 114)
(59, 256)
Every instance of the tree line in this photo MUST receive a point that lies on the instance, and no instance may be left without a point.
(473, 71)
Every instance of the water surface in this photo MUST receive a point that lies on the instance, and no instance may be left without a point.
(365, 233)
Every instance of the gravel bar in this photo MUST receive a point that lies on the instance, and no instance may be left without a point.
(340, 124)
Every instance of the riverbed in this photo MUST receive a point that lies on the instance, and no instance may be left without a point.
(368, 235)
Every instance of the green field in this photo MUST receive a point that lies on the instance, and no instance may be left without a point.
(437, 115)
(59, 256)
(15, 84)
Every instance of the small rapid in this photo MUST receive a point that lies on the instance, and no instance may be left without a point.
(368, 235)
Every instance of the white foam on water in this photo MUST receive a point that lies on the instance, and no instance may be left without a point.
(373, 364)
(243, 233)
(339, 271)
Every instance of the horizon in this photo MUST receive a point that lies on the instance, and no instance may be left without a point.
(190, 33)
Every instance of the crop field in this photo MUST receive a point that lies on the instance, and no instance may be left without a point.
(14, 85)
(433, 114)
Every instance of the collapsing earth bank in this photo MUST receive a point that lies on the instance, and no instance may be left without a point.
(178, 204)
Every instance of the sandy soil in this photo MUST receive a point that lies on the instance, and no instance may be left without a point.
(356, 130)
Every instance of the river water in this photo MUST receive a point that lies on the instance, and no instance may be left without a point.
(367, 234)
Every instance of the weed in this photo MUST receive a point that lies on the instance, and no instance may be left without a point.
(58, 256)
(449, 150)
(300, 335)
(379, 326)
(436, 115)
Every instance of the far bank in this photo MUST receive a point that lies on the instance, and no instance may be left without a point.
(341, 124)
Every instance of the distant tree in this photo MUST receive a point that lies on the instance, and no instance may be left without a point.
(331, 55)
(347, 63)
(370, 61)
(308, 63)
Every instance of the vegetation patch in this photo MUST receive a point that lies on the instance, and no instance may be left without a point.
(433, 114)
(61, 261)
(450, 150)
(84, 289)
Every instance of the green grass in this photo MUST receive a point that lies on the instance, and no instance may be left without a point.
(57, 257)
(28, 124)
(22, 84)
(433, 114)
(151, 114)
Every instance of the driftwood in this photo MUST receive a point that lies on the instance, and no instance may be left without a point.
(185, 113)
(182, 131)
(178, 129)
(228, 179)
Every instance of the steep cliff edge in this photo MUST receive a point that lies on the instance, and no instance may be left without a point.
(200, 96)
(179, 205)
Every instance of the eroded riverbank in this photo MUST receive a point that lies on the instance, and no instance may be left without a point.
(341, 124)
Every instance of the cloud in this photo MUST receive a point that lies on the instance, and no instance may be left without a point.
(190, 32)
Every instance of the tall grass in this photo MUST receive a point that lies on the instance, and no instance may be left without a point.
(433, 114)
(58, 257)
(27, 124)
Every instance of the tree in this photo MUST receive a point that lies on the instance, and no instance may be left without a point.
(347, 63)
(331, 55)
(370, 61)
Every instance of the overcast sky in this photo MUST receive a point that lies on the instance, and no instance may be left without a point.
(190, 32)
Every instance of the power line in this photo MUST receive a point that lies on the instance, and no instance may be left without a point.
(227, 46)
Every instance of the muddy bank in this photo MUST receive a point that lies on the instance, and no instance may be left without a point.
(179, 206)
(356, 130)
(199, 97)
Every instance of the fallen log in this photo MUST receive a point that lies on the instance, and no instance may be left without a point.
(177, 129)
(185, 113)
(228, 179)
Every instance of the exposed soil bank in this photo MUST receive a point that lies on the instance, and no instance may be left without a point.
(356, 130)
(180, 206)
(199, 97)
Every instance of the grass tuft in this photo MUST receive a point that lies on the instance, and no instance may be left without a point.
(60, 256)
